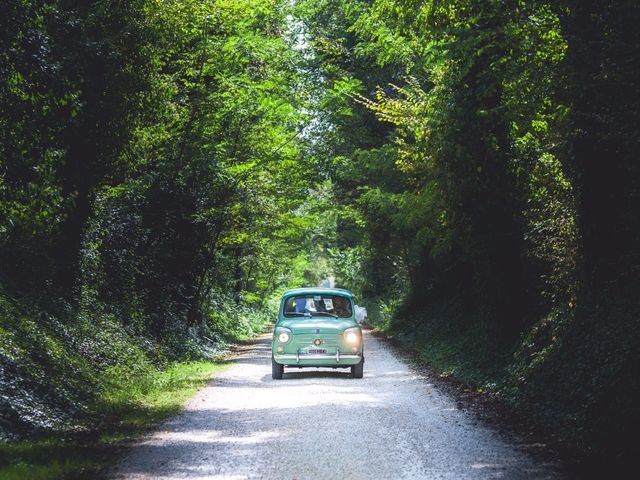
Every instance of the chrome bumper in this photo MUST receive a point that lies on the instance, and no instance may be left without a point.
(301, 359)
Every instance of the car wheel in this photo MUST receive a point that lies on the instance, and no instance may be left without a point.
(276, 370)
(358, 370)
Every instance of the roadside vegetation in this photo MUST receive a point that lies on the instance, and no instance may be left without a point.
(121, 413)
(485, 156)
(467, 168)
(153, 200)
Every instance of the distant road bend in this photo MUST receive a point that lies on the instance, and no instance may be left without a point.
(322, 424)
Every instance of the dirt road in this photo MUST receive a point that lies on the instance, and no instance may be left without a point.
(322, 424)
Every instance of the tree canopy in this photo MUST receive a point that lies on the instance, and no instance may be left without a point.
(468, 168)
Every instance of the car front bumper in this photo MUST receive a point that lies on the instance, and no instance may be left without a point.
(302, 360)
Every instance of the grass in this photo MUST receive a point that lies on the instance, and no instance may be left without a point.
(443, 337)
(122, 414)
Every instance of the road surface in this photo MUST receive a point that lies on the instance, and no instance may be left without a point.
(323, 424)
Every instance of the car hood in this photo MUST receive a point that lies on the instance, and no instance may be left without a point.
(314, 325)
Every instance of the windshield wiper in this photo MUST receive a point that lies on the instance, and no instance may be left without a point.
(326, 313)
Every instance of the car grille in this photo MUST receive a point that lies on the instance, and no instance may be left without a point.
(305, 340)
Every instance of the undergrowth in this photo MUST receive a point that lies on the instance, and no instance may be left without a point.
(574, 371)
(121, 413)
(74, 385)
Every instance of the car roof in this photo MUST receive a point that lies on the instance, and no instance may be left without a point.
(318, 290)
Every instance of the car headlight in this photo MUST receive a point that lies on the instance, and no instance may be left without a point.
(352, 337)
(283, 337)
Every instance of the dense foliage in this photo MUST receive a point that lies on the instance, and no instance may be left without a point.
(151, 179)
(496, 198)
(467, 167)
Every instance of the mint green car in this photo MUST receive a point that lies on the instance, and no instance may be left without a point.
(317, 327)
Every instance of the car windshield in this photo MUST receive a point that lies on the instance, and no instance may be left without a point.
(317, 305)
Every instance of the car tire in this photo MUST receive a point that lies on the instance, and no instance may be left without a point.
(276, 370)
(357, 370)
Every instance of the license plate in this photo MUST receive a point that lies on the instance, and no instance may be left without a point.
(312, 351)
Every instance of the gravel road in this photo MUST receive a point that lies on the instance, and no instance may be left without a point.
(322, 424)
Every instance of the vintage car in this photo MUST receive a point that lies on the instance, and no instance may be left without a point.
(317, 327)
